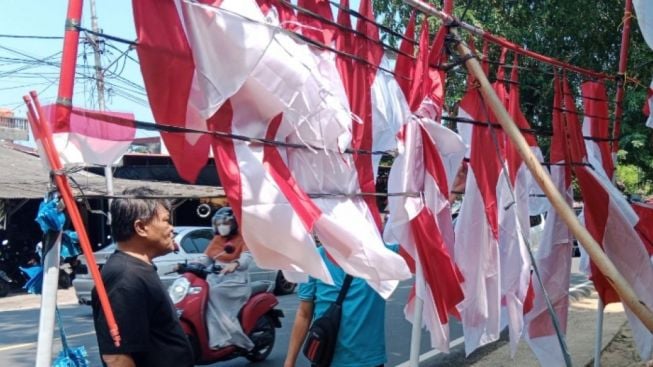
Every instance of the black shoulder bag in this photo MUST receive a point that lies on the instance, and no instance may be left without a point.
(321, 340)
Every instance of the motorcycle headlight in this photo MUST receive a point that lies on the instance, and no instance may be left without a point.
(179, 289)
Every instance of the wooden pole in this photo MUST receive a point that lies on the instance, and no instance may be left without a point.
(603, 263)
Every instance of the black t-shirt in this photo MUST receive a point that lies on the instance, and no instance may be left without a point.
(149, 328)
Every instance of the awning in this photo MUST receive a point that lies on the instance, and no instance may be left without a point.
(22, 176)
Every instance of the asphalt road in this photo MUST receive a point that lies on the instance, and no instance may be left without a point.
(18, 332)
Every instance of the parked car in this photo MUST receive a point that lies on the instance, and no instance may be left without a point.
(192, 243)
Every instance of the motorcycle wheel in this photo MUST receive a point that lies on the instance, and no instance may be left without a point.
(282, 286)
(4, 288)
(263, 336)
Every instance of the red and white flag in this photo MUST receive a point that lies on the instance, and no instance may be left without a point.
(422, 225)
(553, 256)
(648, 106)
(514, 190)
(84, 139)
(596, 126)
(612, 222)
(267, 185)
(477, 229)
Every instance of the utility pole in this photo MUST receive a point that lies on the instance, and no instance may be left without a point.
(99, 81)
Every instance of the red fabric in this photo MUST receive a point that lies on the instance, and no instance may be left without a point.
(94, 124)
(317, 29)
(644, 226)
(305, 208)
(595, 102)
(167, 67)
(485, 165)
(405, 66)
(559, 151)
(437, 77)
(226, 161)
(344, 42)
(514, 160)
(360, 99)
(418, 88)
(437, 267)
(575, 142)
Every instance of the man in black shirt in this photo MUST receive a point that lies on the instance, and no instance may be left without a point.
(149, 328)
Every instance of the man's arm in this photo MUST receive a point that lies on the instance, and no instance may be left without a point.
(299, 330)
(118, 360)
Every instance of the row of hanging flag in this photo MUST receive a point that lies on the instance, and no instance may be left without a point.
(249, 68)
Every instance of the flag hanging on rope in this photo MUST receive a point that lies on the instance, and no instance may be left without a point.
(553, 256)
(84, 139)
(290, 93)
(514, 190)
(611, 221)
(477, 228)
(596, 126)
(422, 225)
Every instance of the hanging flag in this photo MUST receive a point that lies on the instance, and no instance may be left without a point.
(648, 105)
(477, 229)
(171, 83)
(644, 12)
(514, 222)
(405, 65)
(611, 221)
(422, 225)
(596, 125)
(553, 256)
(83, 139)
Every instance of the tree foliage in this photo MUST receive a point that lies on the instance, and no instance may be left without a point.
(586, 33)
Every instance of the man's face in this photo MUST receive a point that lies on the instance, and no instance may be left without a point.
(159, 234)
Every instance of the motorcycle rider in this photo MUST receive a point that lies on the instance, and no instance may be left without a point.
(230, 289)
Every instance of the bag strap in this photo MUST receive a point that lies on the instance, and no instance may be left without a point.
(344, 289)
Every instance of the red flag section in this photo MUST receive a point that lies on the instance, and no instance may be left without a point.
(167, 66)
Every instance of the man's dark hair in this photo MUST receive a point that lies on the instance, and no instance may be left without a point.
(134, 206)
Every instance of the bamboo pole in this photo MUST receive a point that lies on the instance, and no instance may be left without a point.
(607, 268)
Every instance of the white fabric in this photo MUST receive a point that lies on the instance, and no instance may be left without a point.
(553, 260)
(649, 100)
(408, 175)
(644, 13)
(515, 261)
(624, 247)
(389, 112)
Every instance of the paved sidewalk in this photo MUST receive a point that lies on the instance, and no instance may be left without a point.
(581, 328)
(23, 301)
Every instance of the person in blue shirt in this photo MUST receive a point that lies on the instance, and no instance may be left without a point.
(361, 339)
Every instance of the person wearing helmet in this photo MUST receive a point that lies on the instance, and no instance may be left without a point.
(230, 289)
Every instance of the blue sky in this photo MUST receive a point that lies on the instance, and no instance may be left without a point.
(46, 18)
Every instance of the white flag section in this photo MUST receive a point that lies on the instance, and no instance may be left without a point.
(88, 140)
(553, 260)
(422, 225)
(622, 244)
(644, 13)
(389, 111)
(269, 186)
(477, 240)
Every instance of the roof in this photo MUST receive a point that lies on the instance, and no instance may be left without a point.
(22, 176)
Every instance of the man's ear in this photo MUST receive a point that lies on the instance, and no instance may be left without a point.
(140, 228)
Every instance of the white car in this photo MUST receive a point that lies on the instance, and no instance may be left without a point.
(192, 243)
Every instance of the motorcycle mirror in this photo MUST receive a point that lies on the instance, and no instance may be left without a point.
(229, 249)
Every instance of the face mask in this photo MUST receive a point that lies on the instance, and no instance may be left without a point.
(224, 229)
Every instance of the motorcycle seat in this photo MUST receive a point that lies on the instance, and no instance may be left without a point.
(260, 286)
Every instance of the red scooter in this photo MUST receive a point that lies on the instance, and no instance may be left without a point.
(258, 317)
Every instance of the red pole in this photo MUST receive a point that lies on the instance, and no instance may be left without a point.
(41, 129)
(68, 62)
(621, 80)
